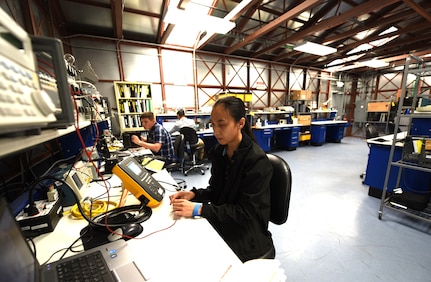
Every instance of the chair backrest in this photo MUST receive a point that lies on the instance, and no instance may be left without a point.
(115, 125)
(179, 145)
(190, 135)
(370, 131)
(281, 187)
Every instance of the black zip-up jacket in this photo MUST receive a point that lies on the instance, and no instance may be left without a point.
(237, 200)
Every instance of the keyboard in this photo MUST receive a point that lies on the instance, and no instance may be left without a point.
(90, 267)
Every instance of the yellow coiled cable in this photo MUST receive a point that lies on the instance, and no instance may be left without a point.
(97, 207)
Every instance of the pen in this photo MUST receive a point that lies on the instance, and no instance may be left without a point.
(147, 162)
(224, 274)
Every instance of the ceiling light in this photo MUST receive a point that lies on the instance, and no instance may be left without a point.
(237, 9)
(315, 49)
(200, 22)
(374, 63)
(389, 30)
(228, 17)
(360, 48)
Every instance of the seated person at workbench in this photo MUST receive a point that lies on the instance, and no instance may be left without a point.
(158, 140)
(237, 200)
(183, 121)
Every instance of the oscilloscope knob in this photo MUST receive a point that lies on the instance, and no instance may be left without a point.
(43, 102)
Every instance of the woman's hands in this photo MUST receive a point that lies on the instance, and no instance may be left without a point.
(181, 204)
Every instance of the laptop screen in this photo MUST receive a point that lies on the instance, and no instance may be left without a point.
(17, 262)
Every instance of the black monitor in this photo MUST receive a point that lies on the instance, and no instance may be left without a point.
(19, 263)
(127, 140)
(51, 68)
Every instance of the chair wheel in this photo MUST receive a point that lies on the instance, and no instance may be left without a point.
(203, 172)
(185, 173)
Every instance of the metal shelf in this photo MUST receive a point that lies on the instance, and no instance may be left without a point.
(410, 165)
(19, 143)
(425, 214)
(422, 215)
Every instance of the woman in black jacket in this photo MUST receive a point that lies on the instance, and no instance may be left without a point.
(237, 200)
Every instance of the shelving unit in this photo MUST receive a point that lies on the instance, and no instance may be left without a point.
(378, 112)
(201, 119)
(133, 98)
(11, 145)
(410, 114)
(323, 114)
(272, 116)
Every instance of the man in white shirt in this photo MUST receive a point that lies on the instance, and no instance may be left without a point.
(182, 121)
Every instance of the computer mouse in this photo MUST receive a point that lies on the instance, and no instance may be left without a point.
(126, 232)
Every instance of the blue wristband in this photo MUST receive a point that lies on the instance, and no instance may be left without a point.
(196, 210)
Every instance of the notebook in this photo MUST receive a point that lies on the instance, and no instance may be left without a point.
(152, 164)
(18, 263)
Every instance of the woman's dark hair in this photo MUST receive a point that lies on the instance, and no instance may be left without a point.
(236, 108)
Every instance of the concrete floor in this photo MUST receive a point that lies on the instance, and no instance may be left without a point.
(333, 232)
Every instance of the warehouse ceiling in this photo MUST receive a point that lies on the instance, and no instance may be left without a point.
(379, 30)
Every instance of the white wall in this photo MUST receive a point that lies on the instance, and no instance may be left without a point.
(191, 81)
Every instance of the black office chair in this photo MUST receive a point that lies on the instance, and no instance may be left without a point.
(178, 163)
(192, 149)
(370, 132)
(115, 125)
(391, 128)
(280, 187)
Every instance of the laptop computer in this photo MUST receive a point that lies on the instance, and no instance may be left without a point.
(18, 263)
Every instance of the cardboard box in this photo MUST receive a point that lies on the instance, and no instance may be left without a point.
(301, 94)
(246, 97)
(378, 106)
(304, 119)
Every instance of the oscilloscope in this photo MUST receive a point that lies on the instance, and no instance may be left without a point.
(23, 105)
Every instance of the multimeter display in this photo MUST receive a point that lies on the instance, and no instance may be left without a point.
(139, 181)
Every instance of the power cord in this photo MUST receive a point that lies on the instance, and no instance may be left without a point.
(176, 186)
(182, 184)
(143, 212)
(92, 208)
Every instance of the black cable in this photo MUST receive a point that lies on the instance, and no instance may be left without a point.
(65, 250)
(182, 184)
(54, 255)
(30, 240)
(177, 187)
(100, 179)
(69, 248)
(142, 209)
(143, 213)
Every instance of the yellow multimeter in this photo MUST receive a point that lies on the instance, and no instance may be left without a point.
(139, 182)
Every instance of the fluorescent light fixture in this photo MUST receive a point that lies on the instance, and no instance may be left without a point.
(315, 49)
(374, 63)
(389, 30)
(197, 22)
(228, 17)
(375, 43)
(237, 8)
(362, 47)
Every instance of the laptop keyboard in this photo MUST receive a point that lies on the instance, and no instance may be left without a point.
(91, 267)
